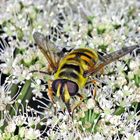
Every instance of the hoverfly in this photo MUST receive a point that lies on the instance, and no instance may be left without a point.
(72, 71)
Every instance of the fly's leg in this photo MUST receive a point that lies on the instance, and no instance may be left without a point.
(50, 94)
(69, 109)
(94, 97)
(102, 70)
(78, 103)
(39, 71)
(94, 91)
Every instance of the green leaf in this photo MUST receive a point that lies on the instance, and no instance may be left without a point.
(24, 95)
(119, 111)
(137, 80)
(103, 47)
(116, 26)
(101, 30)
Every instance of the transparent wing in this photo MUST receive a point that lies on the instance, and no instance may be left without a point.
(50, 51)
(110, 58)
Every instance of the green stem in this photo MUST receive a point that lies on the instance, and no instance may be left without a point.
(94, 126)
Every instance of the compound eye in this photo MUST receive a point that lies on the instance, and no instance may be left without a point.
(72, 88)
(55, 84)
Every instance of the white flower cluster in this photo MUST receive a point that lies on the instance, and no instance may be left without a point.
(104, 25)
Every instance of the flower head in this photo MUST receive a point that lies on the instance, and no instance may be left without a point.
(106, 26)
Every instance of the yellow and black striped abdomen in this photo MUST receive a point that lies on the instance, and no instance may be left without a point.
(73, 65)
